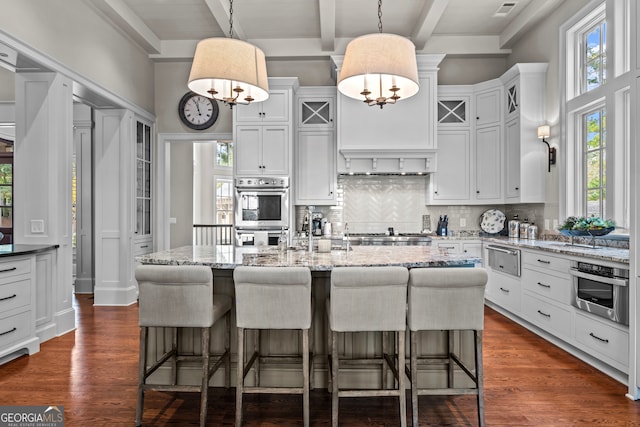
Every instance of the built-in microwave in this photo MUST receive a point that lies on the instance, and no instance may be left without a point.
(601, 290)
(262, 203)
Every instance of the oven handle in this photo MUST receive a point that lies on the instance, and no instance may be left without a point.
(608, 280)
(503, 250)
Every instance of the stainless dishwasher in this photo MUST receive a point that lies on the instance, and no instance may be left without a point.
(504, 259)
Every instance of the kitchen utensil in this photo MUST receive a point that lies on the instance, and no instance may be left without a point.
(492, 221)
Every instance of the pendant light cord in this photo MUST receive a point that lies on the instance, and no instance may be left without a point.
(379, 16)
(230, 19)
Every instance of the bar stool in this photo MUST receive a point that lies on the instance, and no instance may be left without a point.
(368, 299)
(447, 299)
(272, 298)
(180, 297)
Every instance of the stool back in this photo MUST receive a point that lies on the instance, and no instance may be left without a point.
(273, 297)
(368, 299)
(175, 295)
(446, 298)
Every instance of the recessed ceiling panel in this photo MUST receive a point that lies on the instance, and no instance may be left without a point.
(278, 19)
(477, 17)
(359, 17)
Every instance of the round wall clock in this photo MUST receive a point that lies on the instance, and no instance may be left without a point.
(197, 112)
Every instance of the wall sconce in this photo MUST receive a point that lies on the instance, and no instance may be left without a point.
(543, 133)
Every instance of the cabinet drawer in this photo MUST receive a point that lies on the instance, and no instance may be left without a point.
(504, 291)
(15, 328)
(602, 338)
(553, 319)
(15, 294)
(544, 261)
(449, 247)
(554, 287)
(14, 267)
(142, 248)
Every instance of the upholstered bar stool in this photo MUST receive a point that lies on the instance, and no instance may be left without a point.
(272, 298)
(368, 299)
(447, 299)
(180, 297)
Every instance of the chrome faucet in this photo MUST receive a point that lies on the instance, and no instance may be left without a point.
(346, 234)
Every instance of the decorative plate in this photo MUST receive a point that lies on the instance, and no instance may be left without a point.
(492, 221)
(583, 233)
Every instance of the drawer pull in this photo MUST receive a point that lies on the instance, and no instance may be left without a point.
(9, 331)
(544, 261)
(543, 285)
(544, 314)
(144, 246)
(8, 269)
(6, 298)
(504, 290)
(591, 334)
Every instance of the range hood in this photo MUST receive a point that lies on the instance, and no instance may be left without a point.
(397, 139)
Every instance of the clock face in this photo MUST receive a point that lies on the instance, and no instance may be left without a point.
(198, 112)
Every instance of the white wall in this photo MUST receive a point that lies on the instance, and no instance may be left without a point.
(72, 33)
(541, 45)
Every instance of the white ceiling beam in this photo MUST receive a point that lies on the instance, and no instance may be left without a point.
(530, 16)
(429, 18)
(220, 11)
(327, 24)
(182, 50)
(131, 23)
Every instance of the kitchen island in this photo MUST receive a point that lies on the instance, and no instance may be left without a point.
(223, 259)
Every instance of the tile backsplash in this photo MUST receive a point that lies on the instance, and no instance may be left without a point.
(372, 204)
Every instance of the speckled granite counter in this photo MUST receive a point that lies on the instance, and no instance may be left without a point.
(228, 257)
(599, 252)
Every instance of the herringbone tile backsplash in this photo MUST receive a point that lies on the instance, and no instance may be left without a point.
(372, 204)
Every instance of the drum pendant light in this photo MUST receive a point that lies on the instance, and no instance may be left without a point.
(229, 70)
(379, 69)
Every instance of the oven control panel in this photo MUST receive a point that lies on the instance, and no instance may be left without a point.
(263, 182)
(601, 270)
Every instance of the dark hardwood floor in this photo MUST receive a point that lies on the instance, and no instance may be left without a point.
(93, 374)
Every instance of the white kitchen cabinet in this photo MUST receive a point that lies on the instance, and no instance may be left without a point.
(261, 150)
(487, 106)
(17, 307)
(448, 246)
(458, 246)
(451, 182)
(453, 109)
(526, 156)
(144, 173)
(315, 168)
(316, 112)
(488, 161)
(274, 109)
(606, 341)
(472, 248)
(553, 318)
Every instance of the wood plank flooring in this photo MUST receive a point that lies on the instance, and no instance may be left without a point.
(93, 374)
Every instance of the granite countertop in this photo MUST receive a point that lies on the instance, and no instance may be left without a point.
(228, 257)
(560, 247)
(20, 249)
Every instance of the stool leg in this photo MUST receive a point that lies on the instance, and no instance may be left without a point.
(239, 377)
(479, 376)
(227, 349)
(256, 349)
(414, 376)
(141, 374)
(449, 351)
(385, 368)
(311, 348)
(204, 389)
(305, 376)
(329, 354)
(174, 359)
(334, 379)
(401, 379)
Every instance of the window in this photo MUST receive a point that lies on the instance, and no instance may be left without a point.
(224, 200)
(224, 153)
(594, 123)
(595, 107)
(594, 58)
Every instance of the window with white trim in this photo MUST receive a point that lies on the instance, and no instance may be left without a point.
(595, 107)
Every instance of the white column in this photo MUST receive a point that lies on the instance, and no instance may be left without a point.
(42, 178)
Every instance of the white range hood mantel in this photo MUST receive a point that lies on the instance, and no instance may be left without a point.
(399, 138)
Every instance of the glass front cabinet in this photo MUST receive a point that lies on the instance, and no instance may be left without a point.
(143, 190)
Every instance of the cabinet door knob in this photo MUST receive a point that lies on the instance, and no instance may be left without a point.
(517, 188)
(477, 191)
(478, 118)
